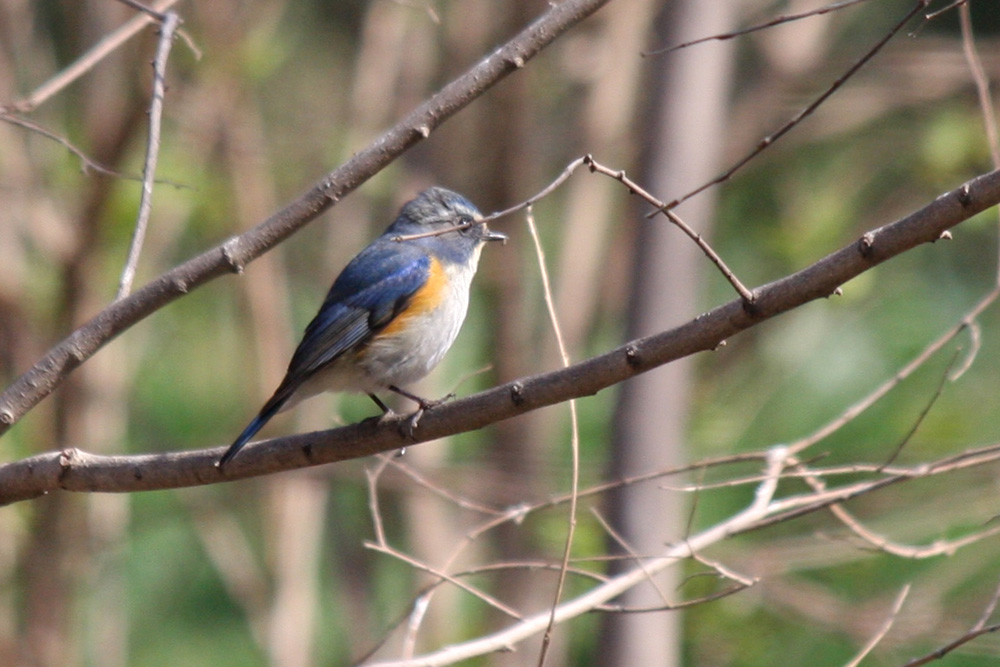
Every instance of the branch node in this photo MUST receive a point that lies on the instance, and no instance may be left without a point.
(837, 292)
(945, 236)
(67, 458)
(965, 195)
(229, 254)
(517, 394)
(632, 357)
(6, 417)
(423, 130)
(866, 244)
(722, 343)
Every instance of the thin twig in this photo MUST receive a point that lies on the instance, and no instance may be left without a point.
(444, 576)
(372, 476)
(945, 377)
(982, 83)
(948, 648)
(88, 60)
(884, 630)
(88, 163)
(574, 434)
(439, 490)
(633, 187)
(769, 140)
(778, 20)
(632, 554)
(138, 6)
(853, 411)
(546, 191)
(171, 20)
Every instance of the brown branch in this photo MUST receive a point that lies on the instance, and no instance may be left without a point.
(75, 470)
(233, 255)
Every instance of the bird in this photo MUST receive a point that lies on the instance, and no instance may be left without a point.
(391, 314)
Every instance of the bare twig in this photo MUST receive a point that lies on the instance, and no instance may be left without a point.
(982, 83)
(769, 140)
(574, 434)
(778, 20)
(988, 610)
(632, 554)
(945, 377)
(138, 6)
(444, 576)
(852, 412)
(88, 60)
(88, 163)
(948, 648)
(372, 475)
(884, 630)
(168, 28)
(978, 630)
(546, 191)
(438, 490)
(660, 207)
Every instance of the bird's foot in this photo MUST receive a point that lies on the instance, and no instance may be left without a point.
(409, 427)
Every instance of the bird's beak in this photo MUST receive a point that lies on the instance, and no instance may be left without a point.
(490, 235)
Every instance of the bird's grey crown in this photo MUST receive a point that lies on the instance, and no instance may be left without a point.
(435, 206)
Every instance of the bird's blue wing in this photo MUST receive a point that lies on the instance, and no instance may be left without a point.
(364, 299)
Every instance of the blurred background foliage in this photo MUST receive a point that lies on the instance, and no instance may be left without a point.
(275, 571)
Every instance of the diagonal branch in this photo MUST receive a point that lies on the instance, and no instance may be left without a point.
(75, 470)
(233, 255)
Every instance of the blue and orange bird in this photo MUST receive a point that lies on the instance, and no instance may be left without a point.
(392, 313)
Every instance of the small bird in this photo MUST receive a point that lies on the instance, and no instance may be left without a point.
(392, 313)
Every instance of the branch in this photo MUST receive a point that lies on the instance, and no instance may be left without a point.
(233, 255)
(74, 470)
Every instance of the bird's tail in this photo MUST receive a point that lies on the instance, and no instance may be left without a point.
(271, 408)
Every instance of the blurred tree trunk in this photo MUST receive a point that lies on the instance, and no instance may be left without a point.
(684, 126)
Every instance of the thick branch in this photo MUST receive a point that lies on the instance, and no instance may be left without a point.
(77, 471)
(235, 253)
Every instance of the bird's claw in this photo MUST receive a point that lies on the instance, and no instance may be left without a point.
(409, 427)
